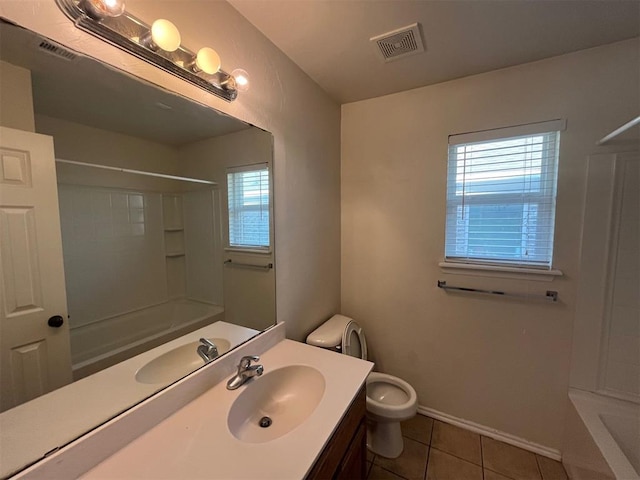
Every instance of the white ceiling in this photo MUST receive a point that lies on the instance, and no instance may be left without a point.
(329, 39)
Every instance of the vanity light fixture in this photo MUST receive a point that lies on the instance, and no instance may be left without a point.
(162, 35)
(158, 44)
(238, 81)
(206, 60)
(99, 9)
(241, 78)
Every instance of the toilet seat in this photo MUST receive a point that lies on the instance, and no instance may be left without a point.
(353, 341)
(395, 407)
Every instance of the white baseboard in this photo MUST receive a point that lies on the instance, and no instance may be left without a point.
(492, 433)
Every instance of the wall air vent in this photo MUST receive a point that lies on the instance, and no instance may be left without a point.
(400, 43)
(57, 50)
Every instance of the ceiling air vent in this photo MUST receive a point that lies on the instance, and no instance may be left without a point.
(400, 43)
(56, 50)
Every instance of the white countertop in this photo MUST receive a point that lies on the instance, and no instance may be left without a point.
(195, 442)
(52, 420)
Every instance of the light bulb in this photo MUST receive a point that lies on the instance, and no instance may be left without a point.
(242, 79)
(99, 9)
(165, 35)
(208, 60)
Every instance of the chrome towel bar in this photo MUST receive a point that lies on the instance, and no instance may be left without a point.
(550, 295)
(231, 263)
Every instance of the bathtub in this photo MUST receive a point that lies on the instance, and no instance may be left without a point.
(108, 341)
(602, 437)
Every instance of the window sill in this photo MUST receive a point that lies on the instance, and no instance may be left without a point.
(248, 250)
(500, 271)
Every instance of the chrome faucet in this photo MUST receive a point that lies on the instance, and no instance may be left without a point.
(245, 372)
(207, 350)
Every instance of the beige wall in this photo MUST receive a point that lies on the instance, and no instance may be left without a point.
(240, 285)
(16, 100)
(210, 158)
(499, 362)
(283, 100)
(80, 143)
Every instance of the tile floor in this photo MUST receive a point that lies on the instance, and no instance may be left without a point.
(434, 450)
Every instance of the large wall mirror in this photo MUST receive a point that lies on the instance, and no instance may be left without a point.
(144, 226)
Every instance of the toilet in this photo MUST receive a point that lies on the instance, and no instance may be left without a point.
(390, 400)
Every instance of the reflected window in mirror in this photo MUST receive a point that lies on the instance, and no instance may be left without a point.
(249, 202)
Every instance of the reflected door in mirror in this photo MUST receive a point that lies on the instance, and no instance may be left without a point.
(35, 356)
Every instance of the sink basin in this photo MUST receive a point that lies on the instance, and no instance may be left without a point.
(287, 395)
(177, 363)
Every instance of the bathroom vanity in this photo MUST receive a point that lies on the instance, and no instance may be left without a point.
(345, 455)
(198, 429)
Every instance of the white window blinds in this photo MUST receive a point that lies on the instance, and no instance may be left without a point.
(501, 196)
(248, 202)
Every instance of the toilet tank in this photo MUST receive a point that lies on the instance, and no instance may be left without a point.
(329, 334)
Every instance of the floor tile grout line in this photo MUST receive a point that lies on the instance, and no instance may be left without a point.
(426, 465)
(499, 473)
(538, 465)
(373, 462)
(413, 439)
(481, 457)
(428, 442)
(391, 471)
(456, 456)
(370, 467)
(433, 423)
(426, 468)
(429, 446)
(385, 469)
(482, 466)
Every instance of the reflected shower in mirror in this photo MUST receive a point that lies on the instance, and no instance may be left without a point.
(139, 190)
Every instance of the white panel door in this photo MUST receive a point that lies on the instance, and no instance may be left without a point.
(35, 356)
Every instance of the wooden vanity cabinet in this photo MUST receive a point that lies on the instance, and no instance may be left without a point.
(345, 455)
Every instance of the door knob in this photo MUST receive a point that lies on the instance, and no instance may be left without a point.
(56, 321)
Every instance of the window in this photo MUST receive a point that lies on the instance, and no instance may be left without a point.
(248, 202)
(501, 196)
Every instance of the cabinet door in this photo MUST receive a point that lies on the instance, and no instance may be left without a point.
(347, 446)
(354, 463)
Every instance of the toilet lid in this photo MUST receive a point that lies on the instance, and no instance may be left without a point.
(353, 341)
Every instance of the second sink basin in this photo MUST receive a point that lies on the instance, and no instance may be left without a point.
(287, 396)
(177, 363)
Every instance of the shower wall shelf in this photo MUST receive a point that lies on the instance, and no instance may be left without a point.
(174, 244)
(550, 295)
